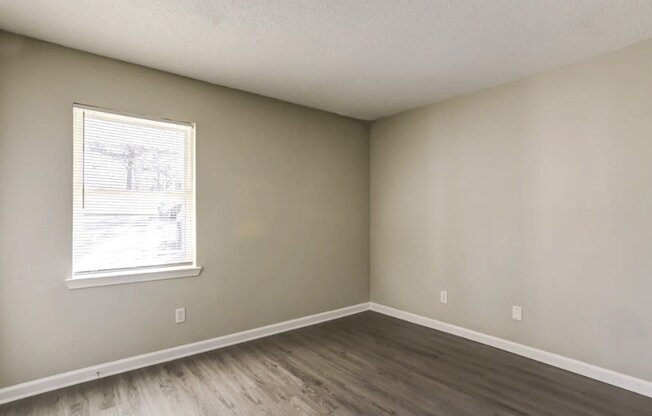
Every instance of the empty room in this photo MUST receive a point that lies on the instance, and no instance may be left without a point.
(326, 207)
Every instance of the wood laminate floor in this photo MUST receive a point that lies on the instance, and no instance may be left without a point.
(365, 364)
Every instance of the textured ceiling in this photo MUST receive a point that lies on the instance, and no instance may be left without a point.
(360, 58)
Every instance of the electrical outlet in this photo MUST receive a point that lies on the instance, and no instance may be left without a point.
(517, 313)
(180, 315)
(443, 296)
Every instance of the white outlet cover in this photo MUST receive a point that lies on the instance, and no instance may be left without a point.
(517, 313)
(180, 315)
(443, 296)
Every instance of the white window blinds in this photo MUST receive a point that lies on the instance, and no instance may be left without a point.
(134, 200)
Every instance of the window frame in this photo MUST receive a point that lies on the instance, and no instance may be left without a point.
(136, 274)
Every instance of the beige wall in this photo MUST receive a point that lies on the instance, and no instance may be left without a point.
(283, 213)
(537, 193)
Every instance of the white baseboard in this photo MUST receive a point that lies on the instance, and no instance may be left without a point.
(58, 381)
(604, 375)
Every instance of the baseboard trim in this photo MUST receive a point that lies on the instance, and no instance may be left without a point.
(604, 375)
(43, 385)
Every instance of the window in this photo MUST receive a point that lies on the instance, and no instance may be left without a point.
(133, 198)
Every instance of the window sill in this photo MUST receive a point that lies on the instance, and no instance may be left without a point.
(123, 277)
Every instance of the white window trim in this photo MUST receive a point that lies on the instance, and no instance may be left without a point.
(87, 280)
(131, 276)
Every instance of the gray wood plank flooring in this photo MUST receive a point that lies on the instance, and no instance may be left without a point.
(365, 364)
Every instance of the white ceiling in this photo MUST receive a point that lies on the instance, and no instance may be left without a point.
(360, 58)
